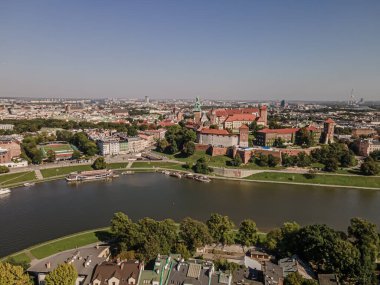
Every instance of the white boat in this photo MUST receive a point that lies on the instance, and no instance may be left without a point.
(27, 184)
(202, 178)
(90, 175)
(176, 174)
(189, 175)
(4, 191)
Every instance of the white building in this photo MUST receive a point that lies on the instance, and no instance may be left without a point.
(109, 146)
(6, 127)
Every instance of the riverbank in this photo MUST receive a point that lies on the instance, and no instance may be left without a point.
(265, 175)
(54, 246)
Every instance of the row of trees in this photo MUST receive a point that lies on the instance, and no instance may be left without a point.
(64, 274)
(147, 237)
(351, 255)
(34, 125)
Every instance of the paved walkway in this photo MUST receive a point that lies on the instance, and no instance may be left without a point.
(38, 174)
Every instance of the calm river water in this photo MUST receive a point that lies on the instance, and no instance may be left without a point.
(53, 209)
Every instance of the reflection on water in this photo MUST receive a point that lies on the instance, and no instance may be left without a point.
(52, 209)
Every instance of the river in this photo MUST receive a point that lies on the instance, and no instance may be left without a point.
(54, 209)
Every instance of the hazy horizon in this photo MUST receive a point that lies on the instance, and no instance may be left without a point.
(242, 50)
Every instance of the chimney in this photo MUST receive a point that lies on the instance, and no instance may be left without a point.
(48, 265)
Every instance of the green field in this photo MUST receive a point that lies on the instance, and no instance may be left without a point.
(19, 258)
(69, 242)
(117, 165)
(61, 171)
(58, 148)
(15, 178)
(358, 181)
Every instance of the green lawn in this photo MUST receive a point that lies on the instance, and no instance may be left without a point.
(14, 178)
(60, 171)
(360, 181)
(117, 165)
(69, 242)
(19, 258)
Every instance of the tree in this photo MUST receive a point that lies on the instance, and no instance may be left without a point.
(369, 167)
(296, 279)
(4, 169)
(248, 233)
(194, 233)
(99, 163)
(262, 160)
(188, 149)
(366, 239)
(236, 161)
(64, 136)
(81, 141)
(304, 138)
(375, 155)
(125, 231)
(347, 159)
(50, 155)
(303, 160)
(331, 164)
(162, 145)
(220, 228)
(172, 148)
(64, 274)
(13, 274)
(132, 131)
(273, 161)
(279, 142)
(76, 154)
(201, 166)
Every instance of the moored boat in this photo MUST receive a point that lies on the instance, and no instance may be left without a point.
(176, 174)
(4, 191)
(90, 175)
(202, 178)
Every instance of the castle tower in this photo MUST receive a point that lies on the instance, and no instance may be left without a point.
(243, 136)
(264, 115)
(197, 111)
(328, 131)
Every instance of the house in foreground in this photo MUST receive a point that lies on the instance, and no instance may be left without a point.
(84, 260)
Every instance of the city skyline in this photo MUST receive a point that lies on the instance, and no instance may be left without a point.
(216, 50)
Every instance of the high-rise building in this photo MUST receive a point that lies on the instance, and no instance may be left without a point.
(147, 99)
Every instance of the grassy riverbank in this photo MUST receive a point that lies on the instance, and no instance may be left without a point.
(65, 170)
(339, 180)
(17, 178)
(58, 245)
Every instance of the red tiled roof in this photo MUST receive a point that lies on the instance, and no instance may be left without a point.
(166, 124)
(244, 127)
(241, 117)
(329, 121)
(230, 112)
(214, 132)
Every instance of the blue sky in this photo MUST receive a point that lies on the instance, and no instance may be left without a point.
(249, 50)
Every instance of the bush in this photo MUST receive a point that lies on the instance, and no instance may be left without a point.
(4, 169)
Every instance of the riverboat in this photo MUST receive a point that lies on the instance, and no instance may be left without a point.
(90, 175)
(28, 184)
(176, 174)
(4, 191)
(202, 178)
